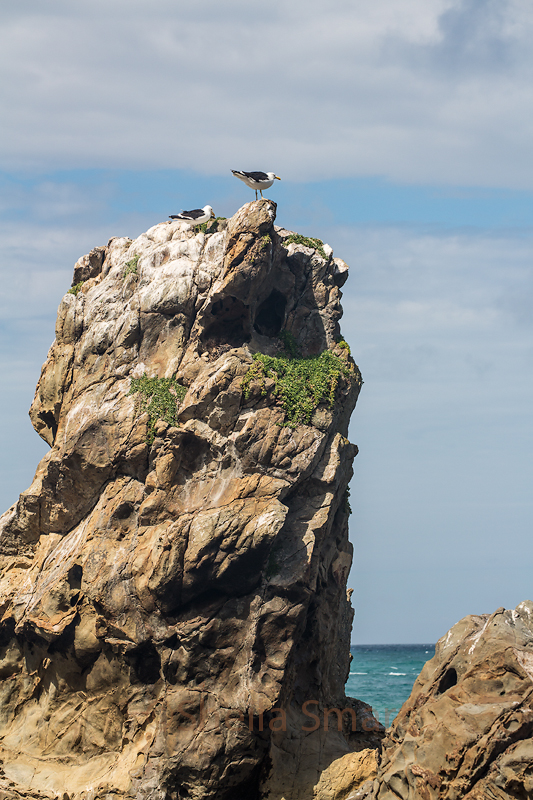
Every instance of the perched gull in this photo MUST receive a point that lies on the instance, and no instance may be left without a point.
(256, 180)
(195, 217)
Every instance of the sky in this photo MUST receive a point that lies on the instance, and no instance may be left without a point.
(402, 130)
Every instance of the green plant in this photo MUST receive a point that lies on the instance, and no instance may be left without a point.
(159, 397)
(205, 225)
(265, 241)
(131, 266)
(307, 241)
(289, 344)
(300, 384)
(344, 345)
(76, 288)
(347, 506)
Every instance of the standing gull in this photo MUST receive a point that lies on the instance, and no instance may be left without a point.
(195, 217)
(256, 180)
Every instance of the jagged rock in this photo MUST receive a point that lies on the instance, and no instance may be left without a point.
(89, 266)
(348, 777)
(466, 731)
(173, 585)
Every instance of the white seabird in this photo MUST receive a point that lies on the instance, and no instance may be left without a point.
(195, 217)
(256, 180)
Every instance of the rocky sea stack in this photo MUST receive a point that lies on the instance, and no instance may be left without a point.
(466, 731)
(173, 582)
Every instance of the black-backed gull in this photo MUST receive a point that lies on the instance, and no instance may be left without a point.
(195, 217)
(256, 180)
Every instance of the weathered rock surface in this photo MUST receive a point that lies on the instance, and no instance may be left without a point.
(171, 597)
(348, 777)
(467, 729)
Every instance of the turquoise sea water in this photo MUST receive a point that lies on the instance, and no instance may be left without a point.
(383, 675)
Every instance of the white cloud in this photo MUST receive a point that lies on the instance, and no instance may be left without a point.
(443, 424)
(437, 306)
(435, 316)
(416, 90)
(37, 265)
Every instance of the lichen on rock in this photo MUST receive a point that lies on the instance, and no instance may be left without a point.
(173, 586)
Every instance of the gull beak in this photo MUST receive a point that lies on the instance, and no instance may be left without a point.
(213, 214)
(277, 178)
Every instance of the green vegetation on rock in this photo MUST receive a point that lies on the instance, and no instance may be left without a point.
(347, 506)
(131, 266)
(289, 344)
(205, 227)
(307, 241)
(300, 384)
(76, 288)
(160, 398)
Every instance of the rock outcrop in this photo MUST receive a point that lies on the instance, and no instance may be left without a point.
(173, 582)
(466, 731)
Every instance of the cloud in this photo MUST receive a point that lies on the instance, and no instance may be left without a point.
(434, 92)
(443, 424)
(417, 90)
(431, 307)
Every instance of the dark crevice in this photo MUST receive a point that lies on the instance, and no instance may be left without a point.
(74, 576)
(206, 604)
(124, 510)
(448, 680)
(145, 663)
(270, 315)
(172, 642)
(192, 451)
(7, 631)
(49, 421)
(74, 599)
(230, 325)
(65, 641)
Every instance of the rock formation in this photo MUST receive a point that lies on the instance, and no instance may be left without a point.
(173, 582)
(466, 731)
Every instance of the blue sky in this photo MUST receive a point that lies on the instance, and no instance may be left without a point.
(402, 130)
(361, 201)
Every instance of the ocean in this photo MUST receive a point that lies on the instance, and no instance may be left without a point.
(383, 675)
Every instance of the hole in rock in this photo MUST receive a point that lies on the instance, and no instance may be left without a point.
(49, 420)
(74, 576)
(63, 642)
(74, 599)
(448, 680)
(271, 314)
(7, 630)
(172, 641)
(123, 511)
(145, 662)
(231, 324)
(193, 451)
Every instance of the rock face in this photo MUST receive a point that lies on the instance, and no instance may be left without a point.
(467, 729)
(173, 582)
